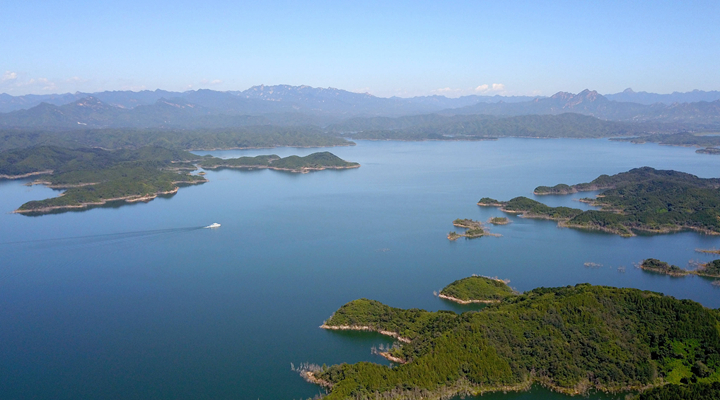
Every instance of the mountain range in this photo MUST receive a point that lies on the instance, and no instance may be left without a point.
(305, 105)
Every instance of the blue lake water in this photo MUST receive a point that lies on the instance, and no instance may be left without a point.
(139, 302)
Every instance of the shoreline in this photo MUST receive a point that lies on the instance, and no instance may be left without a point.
(29, 174)
(364, 328)
(127, 199)
(275, 147)
(460, 301)
(303, 170)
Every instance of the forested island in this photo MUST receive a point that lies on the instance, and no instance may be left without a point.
(710, 269)
(570, 339)
(93, 177)
(642, 199)
(475, 229)
(477, 289)
(313, 162)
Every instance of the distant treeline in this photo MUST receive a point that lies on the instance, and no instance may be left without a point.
(265, 136)
(440, 127)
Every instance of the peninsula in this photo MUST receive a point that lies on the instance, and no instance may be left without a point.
(93, 177)
(570, 339)
(642, 199)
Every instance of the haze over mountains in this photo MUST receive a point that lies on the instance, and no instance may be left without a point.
(305, 105)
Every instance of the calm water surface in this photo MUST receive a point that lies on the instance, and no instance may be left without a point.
(138, 302)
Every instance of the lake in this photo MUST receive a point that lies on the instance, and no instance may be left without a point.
(139, 302)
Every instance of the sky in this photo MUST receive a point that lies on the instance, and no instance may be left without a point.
(386, 48)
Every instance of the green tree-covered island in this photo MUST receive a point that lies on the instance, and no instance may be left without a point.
(710, 269)
(570, 339)
(93, 177)
(642, 199)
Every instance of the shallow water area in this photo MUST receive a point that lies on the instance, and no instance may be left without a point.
(138, 301)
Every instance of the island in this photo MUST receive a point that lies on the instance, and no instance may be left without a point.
(313, 162)
(661, 267)
(477, 289)
(475, 229)
(642, 199)
(92, 177)
(499, 220)
(570, 339)
(709, 150)
(710, 269)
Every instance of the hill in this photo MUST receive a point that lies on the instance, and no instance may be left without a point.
(570, 339)
(642, 199)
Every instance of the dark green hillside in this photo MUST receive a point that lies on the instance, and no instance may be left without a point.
(570, 339)
(95, 176)
(265, 136)
(695, 391)
(643, 199)
(468, 127)
(534, 209)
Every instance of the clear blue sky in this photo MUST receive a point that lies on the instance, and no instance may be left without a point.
(402, 48)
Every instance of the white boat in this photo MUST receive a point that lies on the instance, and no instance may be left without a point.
(213, 225)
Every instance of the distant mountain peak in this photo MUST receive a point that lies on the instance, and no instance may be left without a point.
(562, 96)
(91, 102)
(628, 91)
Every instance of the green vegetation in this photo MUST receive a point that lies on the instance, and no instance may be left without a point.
(708, 150)
(265, 136)
(478, 127)
(533, 209)
(570, 339)
(711, 269)
(643, 199)
(477, 289)
(475, 229)
(557, 189)
(95, 176)
(499, 221)
(694, 391)
(489, 202)
(312, 162)
(661, 267)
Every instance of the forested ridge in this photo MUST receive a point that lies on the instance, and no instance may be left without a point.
(643, 199)
(570, 339)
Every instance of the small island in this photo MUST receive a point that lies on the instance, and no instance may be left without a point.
(499, 220)
(92, 177)
(475, 229)
(570, 339)
(661, 267)
(477, 289)
(710, 270)
(313, 162)
(642, 199)
(708, 251)
(709, 150)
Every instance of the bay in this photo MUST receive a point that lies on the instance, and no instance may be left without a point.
(139, 302)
